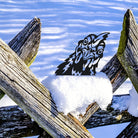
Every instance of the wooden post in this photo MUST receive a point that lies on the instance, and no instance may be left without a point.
(26, 43)
(20, 84)
(115, 72)
(14, 122)
(128, 57)
(131, 131)
(110, 116)
(128, 48)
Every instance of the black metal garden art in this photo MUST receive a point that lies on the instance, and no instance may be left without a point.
(86, 57)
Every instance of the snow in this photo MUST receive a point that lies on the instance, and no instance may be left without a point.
(133, 103)
(124, 88)
(73, 94)
(127, 102)
(120, 102)
(6, 101)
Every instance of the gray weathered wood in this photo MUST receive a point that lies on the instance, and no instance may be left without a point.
(131, 131)
(20, 84)
(115, 72)
(110, 116)
(128, 48)
(16, 123)
(128, 57)
(26, 43)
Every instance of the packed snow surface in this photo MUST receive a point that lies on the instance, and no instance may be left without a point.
(127, 102)
(133, 103)
(74, 93)
(120, 102)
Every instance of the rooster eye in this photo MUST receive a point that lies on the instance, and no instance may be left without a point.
(85, 42)
(100, 51)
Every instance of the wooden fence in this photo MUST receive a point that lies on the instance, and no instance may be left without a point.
(20, 84)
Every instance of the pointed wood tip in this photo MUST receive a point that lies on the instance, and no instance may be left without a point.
(36, 19)
(128, 47)
(129, 23)
(128, 11)
(129, 16)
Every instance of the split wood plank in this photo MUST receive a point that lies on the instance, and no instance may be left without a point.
(128, 48)
(128, 57)
(16, 123)
(131, 131)
(20, 84)
(111, 115)
(26, 43)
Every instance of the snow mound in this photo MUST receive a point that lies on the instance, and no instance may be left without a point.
(133, 103)
(120, 102)
(74, 93)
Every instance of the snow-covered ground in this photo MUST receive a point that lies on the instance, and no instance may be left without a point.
(64, 23)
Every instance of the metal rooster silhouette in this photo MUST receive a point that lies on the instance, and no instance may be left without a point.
(86, 56)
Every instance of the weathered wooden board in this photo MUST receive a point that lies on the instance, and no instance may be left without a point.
(131, 131)
(26, 43)
(128, 48)
(128, 57)
(115, 72)
(20, 84)
(111, 115)
(14, 122)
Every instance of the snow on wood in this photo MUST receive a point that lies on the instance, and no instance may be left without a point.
(22, 125)
(73, 94)
(20, 84)
(116, 113)
(133, 103)
(128, 103)
(117, 75)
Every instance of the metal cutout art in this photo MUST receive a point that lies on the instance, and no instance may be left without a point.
(86, 57)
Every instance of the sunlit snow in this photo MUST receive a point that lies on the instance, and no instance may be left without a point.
(74, 93)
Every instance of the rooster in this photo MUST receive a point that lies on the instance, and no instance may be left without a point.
(86, 56)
